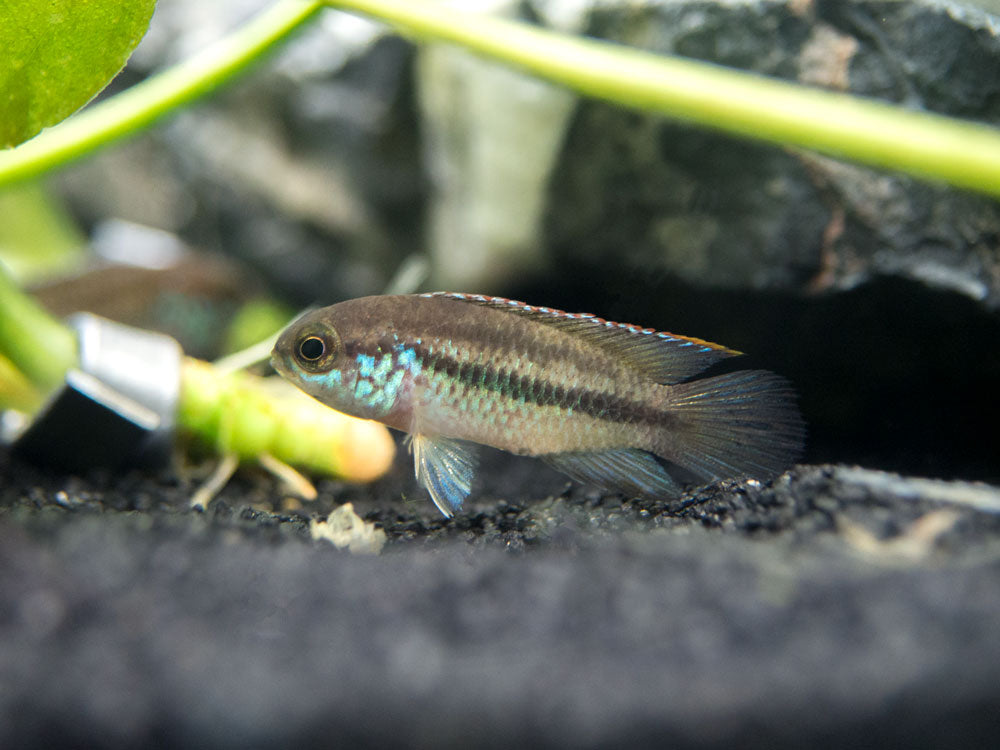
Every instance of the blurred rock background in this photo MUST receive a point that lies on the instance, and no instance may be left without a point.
(352, 150)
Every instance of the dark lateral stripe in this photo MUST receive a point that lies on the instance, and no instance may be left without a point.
(540, 392)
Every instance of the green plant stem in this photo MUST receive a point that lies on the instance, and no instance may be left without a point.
(158, 96)
(38, 345)
(962, 153)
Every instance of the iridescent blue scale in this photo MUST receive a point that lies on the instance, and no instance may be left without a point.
(381, 376)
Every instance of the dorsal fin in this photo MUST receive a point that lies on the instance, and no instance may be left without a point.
(662, 357)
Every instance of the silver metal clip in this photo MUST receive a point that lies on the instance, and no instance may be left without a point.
(117, 408)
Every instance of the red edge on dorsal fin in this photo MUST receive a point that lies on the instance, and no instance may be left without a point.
(662, 357)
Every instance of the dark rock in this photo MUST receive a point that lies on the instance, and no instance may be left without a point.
(716, 210)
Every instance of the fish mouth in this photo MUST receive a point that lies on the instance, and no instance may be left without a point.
(281, 353)
(279, 362)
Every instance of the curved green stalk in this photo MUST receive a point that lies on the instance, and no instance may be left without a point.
(33, 342)
(962, 153)
(158, 96)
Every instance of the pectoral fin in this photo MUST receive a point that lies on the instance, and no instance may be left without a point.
(627, 470)
(444, 467)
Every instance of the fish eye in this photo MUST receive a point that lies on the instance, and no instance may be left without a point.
(316, 348)
(311, 348)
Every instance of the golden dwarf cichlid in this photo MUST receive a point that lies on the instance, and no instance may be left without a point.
(609, 404)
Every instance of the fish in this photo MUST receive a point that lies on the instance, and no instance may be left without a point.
(609, 404)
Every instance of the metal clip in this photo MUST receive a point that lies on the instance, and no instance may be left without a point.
(117, 408)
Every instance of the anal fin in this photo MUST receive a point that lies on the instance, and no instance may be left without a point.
(630, 471)
(444, 467)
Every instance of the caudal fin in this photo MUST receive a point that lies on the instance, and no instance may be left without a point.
(746, 422)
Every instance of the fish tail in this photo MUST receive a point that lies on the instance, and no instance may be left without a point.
(745, 422)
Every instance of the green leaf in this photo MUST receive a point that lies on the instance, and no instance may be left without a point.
(57, 54)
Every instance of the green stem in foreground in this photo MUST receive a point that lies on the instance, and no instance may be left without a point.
(962, 153)
(35, 343)
(158, 96)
